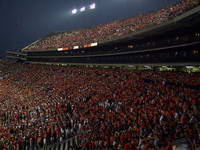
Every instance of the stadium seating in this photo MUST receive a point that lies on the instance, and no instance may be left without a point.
(121, 109)
(102, 33)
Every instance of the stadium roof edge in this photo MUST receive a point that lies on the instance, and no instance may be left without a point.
(24, 49)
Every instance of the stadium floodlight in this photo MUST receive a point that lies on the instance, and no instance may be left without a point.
(74, 11)
(93, 6)
(189, 67)
(82, 9)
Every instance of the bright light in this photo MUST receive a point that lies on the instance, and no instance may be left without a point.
(189, 67)
(93, 6)
(74, 11)
(82, 9)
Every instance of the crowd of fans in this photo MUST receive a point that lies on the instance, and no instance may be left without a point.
(113, 30)
(116, 108)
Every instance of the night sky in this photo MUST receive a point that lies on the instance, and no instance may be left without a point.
(24, 21)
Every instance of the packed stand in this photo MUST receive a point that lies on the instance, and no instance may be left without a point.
(112, 30)
(108, 109)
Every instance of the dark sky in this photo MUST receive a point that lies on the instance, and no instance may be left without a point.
(24, 21)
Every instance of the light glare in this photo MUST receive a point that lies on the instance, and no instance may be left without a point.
(82, 9)
(93, 6)
(74, 11)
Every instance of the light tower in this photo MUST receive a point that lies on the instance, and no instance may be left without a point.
(83, 8)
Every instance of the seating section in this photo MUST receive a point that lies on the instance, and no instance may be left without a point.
(119, 108)
(102, 33)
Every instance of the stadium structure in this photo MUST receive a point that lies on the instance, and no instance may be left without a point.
(82, 108)
(171, 39)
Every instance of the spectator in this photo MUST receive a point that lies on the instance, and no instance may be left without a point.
(112, 30)
(182, 144)
(105, 108)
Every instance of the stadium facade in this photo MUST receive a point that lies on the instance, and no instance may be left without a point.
(175, 41)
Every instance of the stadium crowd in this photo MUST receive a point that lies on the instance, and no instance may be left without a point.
(113, 30)
(118, 108)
